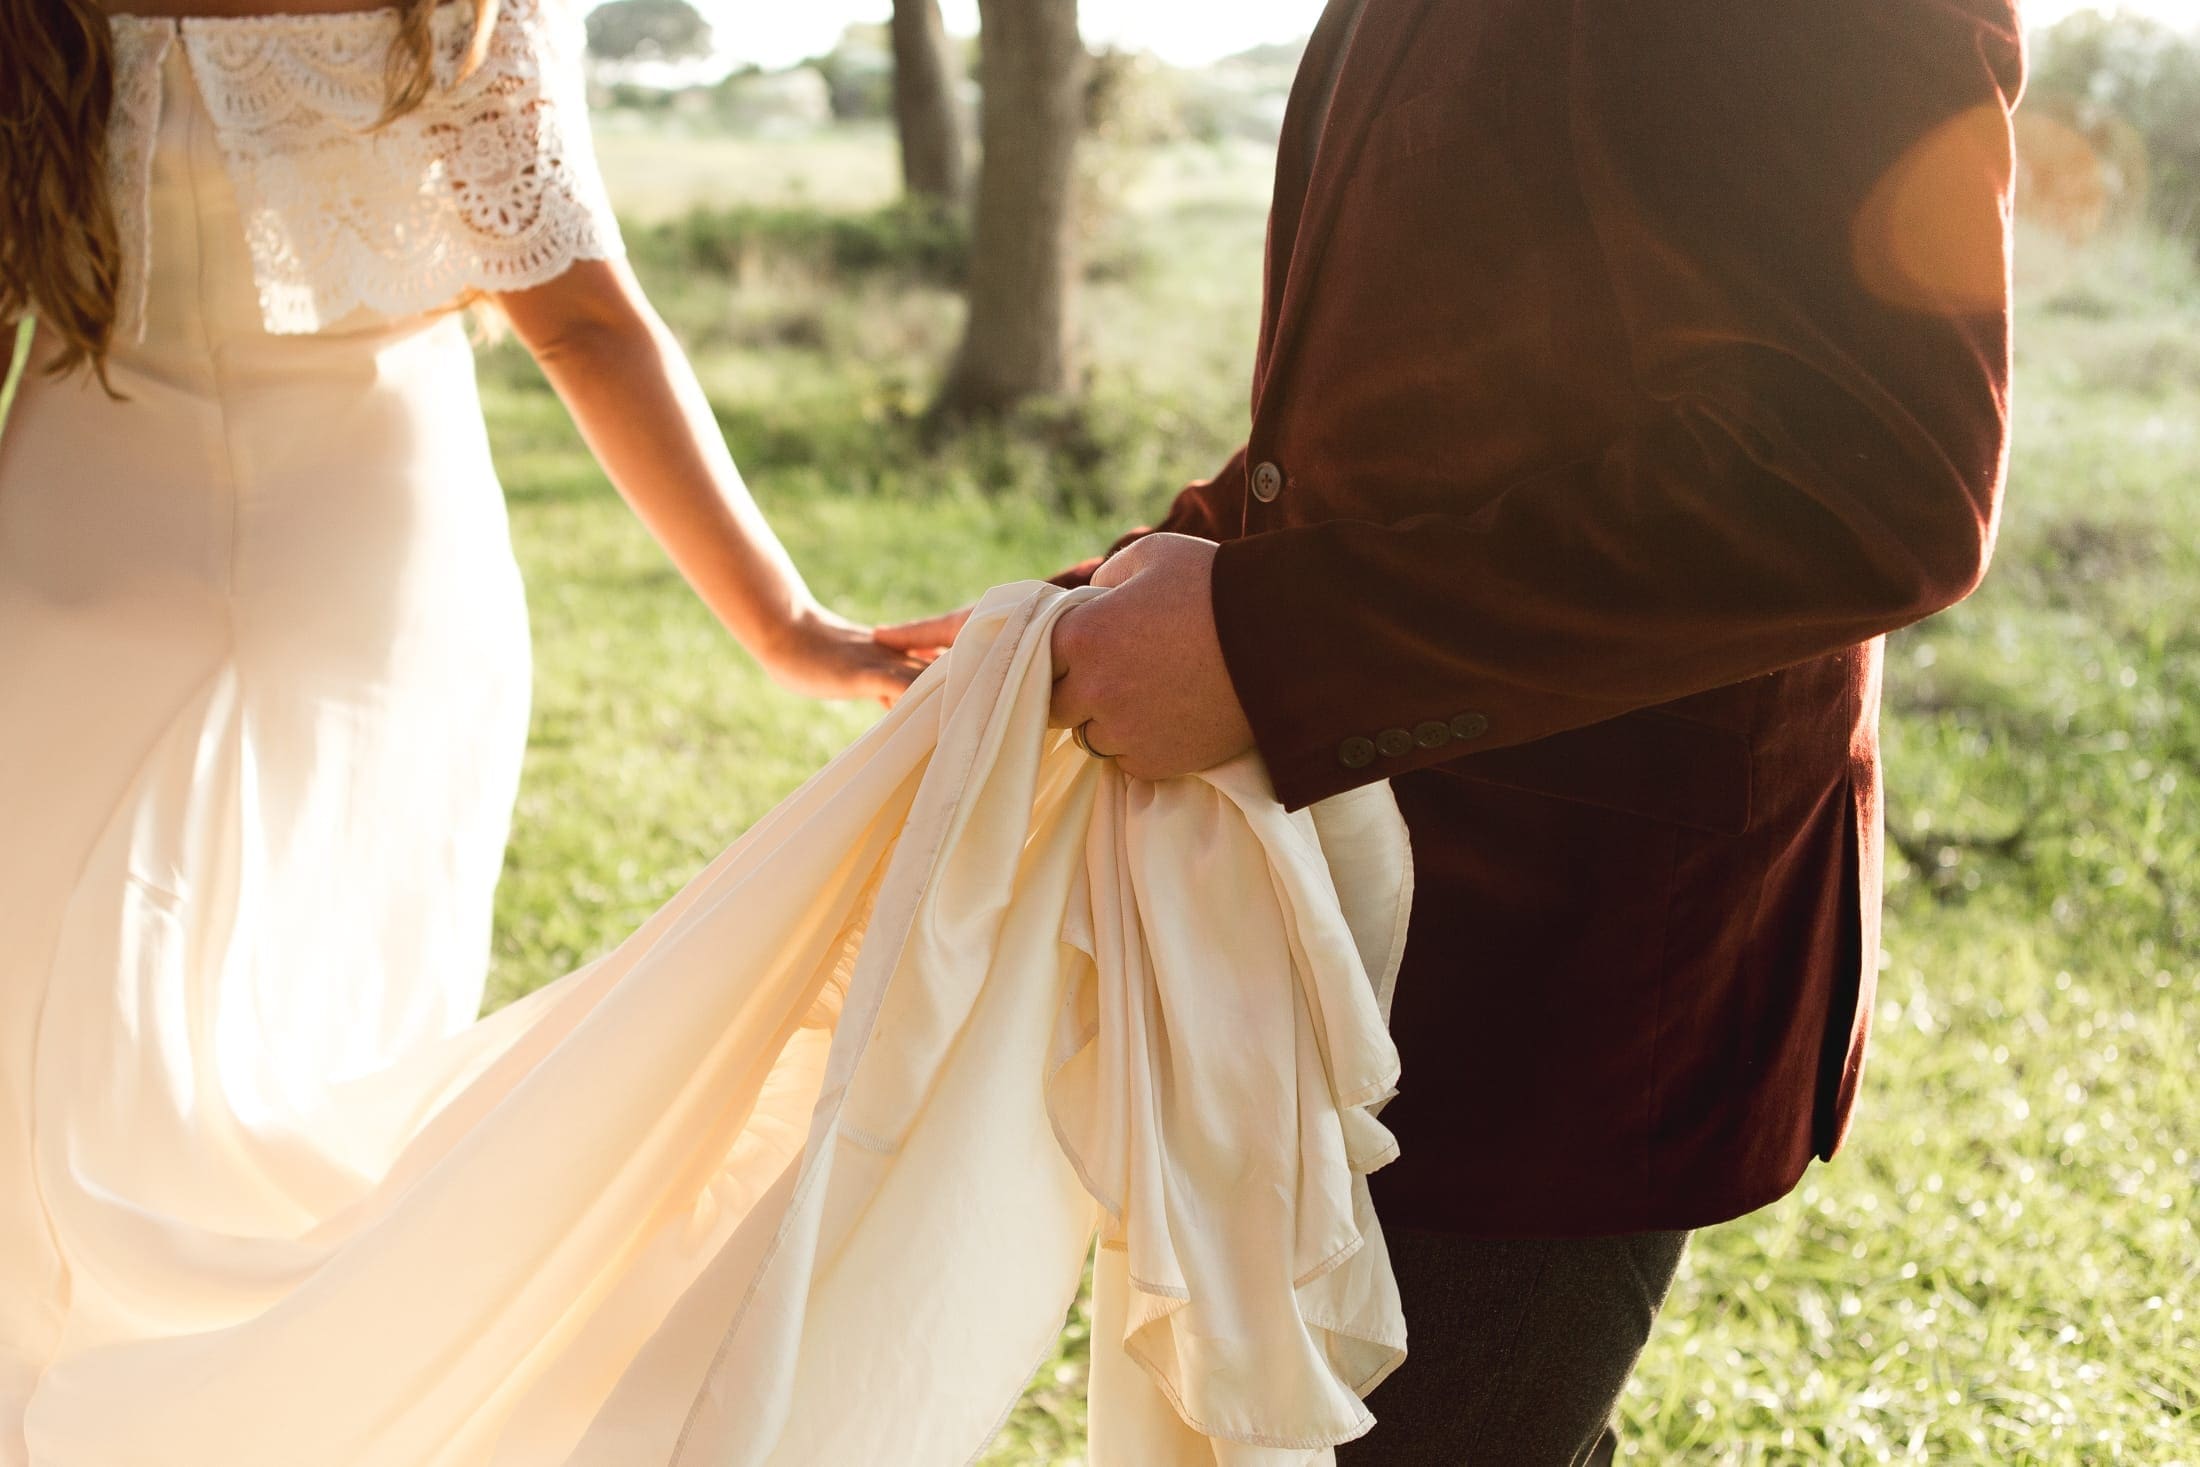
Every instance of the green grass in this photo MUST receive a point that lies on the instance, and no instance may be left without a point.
(2002, 1267)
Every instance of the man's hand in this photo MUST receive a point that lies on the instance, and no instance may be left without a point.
(1141, 667)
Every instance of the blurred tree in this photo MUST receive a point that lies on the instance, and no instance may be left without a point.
(2130, 87)
(928, 105)
(1016, 345)
(647, 30)
(1132, 100)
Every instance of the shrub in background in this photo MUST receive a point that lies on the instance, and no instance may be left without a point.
(917, 240)
(2111, 125)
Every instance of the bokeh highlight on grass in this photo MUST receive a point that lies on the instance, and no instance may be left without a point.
(2000, 1269)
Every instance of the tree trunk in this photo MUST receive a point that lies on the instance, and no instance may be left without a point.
(928, 108)
(1016, 344)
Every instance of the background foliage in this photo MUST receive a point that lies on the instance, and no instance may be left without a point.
(647, 30)
(2130, 88)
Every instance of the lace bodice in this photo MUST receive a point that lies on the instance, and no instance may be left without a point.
(491, 184)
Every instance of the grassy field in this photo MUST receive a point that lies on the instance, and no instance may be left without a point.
(2003, 1267)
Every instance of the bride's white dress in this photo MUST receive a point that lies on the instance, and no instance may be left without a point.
(804, 1172)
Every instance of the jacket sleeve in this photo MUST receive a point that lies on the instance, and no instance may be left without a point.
(1803, 213)
(1212, 509)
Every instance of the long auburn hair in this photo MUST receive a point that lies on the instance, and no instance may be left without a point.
(60, 250)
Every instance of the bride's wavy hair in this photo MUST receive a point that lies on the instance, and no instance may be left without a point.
(60, 251)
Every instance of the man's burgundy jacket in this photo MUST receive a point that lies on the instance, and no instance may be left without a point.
(1628, 368)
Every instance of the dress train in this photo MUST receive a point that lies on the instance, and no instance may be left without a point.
(805, 1171)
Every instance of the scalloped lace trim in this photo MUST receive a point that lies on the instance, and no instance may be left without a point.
(491, 185)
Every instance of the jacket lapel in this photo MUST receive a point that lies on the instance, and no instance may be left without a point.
(1299, 236)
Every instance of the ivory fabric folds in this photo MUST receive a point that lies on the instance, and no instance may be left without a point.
(805, 1172)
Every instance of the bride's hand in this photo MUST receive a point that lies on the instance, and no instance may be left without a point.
(929, 639)
(822, 655)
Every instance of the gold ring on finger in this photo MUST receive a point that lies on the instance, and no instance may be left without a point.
(1083, 735)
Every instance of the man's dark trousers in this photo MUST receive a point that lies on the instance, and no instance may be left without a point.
(1518, 1349)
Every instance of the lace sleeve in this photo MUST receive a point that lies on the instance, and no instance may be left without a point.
(514, 155)
(490, 185)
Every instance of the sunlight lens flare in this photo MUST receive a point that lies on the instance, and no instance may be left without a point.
(1932, 234)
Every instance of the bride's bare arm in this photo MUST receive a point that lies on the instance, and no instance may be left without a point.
(636, 401)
